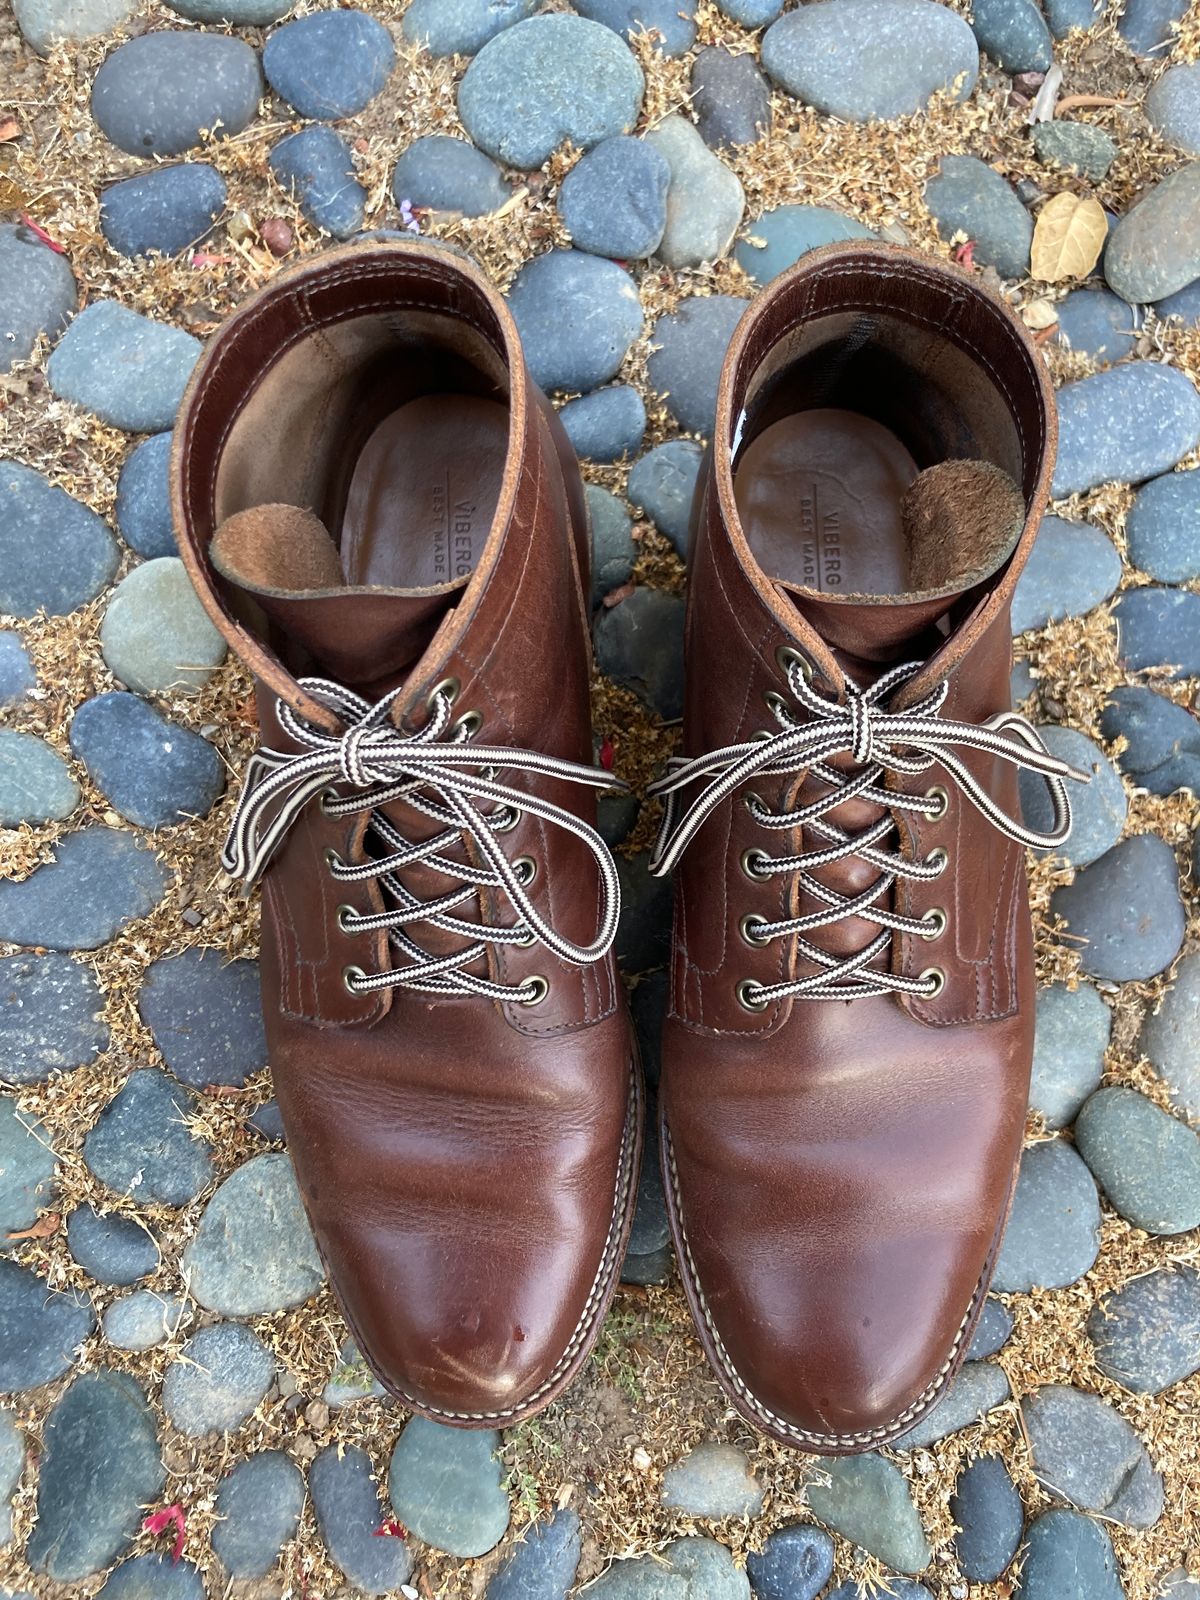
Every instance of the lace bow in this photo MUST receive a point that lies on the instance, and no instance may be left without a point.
(441, 773)
(879, 741)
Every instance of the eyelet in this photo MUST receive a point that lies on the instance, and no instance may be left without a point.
(505, 820)
(349, 977)
(754, 872)
(774, 701)
(344, 913)
(943, 803)
(938, 858)
(747, 926)
(541, 989)
(935, 921)
(527, 939)
(448, 690)
(749, 995)
(468, 725)
(937, 977)
(525, 868)
(333, 860)
(786, 658)
(323, 799)
(752, 798)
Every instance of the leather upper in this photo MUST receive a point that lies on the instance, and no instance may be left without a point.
(469, 1167)
(840, 1172)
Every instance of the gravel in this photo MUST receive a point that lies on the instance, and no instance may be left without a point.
(1125, 910)
(548, 79)
(152, 771)
(254, 1252)
(143, 509)
(55, 554)
(27, 1170)
(1053, 1234)
(1072, 1034)
(100, 1467)
(577, 316)
(713, 1481)
(141, 1147)
(127, 369)
(205, 1014)
(38, 293)
(1146, 1161)
(222, 1374)
(445, 1486)
(51, 1017)
(1086, 1453)
(99, 881)
(157, 94)
(164, 211)
(156, 635)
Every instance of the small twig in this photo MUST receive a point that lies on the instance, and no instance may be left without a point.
(1070, 101)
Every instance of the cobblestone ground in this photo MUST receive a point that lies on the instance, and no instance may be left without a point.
(184, 1415)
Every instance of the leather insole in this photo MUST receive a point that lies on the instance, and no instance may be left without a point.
(424, 492)
(819, 495)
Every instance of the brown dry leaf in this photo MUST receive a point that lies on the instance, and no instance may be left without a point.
(9, 128)
(45, 1227)
(1068, 238)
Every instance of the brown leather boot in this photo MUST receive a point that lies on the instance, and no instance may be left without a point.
(384, 519)
(847, 1052)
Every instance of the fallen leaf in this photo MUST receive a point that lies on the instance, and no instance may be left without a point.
(1069, 236)
(1046, 98)
(9, 127)
(168, 1517)
(51, 244)
(45, 1225)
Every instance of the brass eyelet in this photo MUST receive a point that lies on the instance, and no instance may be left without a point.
(752, 798)
(938, 858)
(748, 924)
(350, 975)
(527, 939)
(333, 860)
(935, 924)
(447, 690)
(937, 977)
(749, 995)
(786, 658)
(753, 863)
(323, 799)
(774, 701)
(525, 868)
(505, 820)
(344, 913)
(943, 803)
(468, 725)
(541, 989)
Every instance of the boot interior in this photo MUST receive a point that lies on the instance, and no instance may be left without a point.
(368, 459)
(840, 427)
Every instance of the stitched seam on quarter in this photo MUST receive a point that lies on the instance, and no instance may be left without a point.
(592, 1305)
(893, 1430)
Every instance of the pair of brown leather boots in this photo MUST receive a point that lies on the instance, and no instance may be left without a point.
(385, 519)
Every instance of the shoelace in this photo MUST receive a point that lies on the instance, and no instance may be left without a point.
(438, 771)
(879, 741)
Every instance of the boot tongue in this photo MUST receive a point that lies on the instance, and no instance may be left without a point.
(366, 638)
(962, 521)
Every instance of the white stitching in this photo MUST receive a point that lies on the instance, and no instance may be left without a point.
(873, 1436)
(595, 1303)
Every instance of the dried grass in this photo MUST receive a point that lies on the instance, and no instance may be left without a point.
(648, 1395)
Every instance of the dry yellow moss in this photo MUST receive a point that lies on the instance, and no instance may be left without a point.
(648, 1395)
